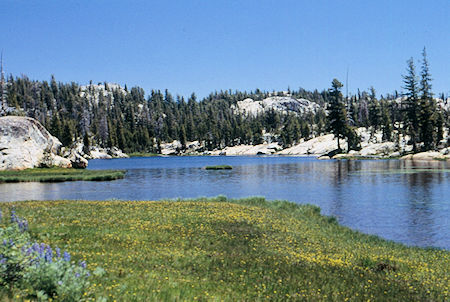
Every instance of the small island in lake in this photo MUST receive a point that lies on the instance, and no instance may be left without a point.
(219, 167)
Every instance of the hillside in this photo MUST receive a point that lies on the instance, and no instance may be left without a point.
(107, 115)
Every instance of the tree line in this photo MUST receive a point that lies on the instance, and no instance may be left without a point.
(417, 115)
(135, 122)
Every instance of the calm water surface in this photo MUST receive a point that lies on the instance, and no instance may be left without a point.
(398, 200)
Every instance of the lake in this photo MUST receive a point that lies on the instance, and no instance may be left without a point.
(398, 200)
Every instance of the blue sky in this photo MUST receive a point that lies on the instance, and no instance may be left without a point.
(200, 46)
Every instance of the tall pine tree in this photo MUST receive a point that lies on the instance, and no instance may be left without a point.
(337, 116)
(411, 103)
(427, 107)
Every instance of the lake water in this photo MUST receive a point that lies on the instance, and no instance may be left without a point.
(398, 200)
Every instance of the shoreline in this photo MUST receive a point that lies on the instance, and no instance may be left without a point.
(341, 156)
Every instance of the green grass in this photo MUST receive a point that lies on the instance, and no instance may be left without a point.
(440, 159)
(143, 154)
(220, 167)
(59, 175)
(232, 250)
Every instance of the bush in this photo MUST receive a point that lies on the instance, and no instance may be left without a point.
(37, 269)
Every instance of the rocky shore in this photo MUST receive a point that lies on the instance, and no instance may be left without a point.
(323, 147)
(25, 143)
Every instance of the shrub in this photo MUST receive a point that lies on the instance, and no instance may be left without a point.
(36, 268)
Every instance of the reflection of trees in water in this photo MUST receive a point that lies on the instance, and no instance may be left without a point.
(421, 226)
(340, 177)
(345, 173)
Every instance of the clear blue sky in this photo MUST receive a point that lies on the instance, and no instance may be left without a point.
(201, 46)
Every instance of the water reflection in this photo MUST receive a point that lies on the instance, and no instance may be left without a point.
(399, 200)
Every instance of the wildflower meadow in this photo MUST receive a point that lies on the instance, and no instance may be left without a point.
(219, 250)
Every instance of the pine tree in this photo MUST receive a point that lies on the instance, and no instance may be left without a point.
(182, 137)
(55, 126)
(353, 140)
(427, 108)
(374, 110)
(386, 122)
(439, 126)
(86, 143)
(412, 103)
(337, 116)
(66, 138)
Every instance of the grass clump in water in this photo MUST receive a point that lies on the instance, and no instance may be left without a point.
(59, 175)
(143, 154)
(233, 250)
(219, 167)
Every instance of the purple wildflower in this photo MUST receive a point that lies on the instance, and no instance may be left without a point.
(13, 215)
(66, 256)
(49, 255)
(24, 225)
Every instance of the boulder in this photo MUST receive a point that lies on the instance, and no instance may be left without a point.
(425, 156)
(343, 156)
(283, 104)
(25, 143)
(52, 160)
(317, 146)
(261, 149)
(378, 149)
(395, 154)
(445, 151)
(98, 153)
(176, 148)
(172, 148)
(117, 153)
(77, 160)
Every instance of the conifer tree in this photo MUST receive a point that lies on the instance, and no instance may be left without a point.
(66, 138)
(55, 126)
(337, 116)
(86, 143)
(183, 137)
(386, 122)
(411, 103)
(374, 110)
(439, 126)
(427, 108)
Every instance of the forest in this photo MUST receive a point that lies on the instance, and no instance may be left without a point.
(108, 115)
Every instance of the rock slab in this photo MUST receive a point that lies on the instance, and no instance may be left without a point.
(25, 143)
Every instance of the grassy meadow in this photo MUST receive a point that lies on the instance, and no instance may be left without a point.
(231, 250)
(59, 175)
